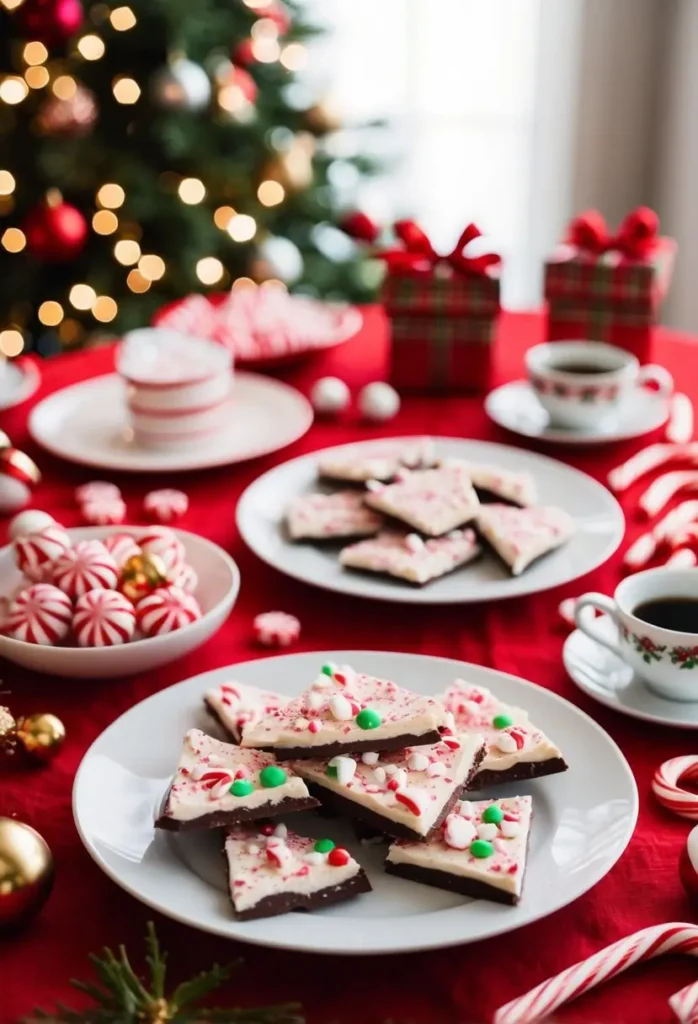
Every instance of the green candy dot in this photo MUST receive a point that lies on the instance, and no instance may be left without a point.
(481, 848)
(241, 787)
(367, 718)
(492, 815)
(272, 776)
(328, 669)
(502, 721)
(324, 846)
(331, 771)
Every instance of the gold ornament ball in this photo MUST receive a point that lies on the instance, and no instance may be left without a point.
(41, 735)
(26, 873)
(141, 575)
(323, 117)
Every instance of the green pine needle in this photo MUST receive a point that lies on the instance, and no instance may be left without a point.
(123, 998)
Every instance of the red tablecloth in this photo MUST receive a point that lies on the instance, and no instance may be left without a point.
(87, 911)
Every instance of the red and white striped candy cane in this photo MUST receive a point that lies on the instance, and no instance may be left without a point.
(666, 788)
(649, 458)
(640, 551)
(543, 1000)
(683, 558)
(685, 1003)
(684, 537)
(662, 490)
(676, 519)
(679, 429)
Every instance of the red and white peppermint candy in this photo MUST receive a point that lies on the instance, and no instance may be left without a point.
(217, 782)
(103, 511)
(649, 458)
(666, 788)
(35, 553)
(186, 579)
(121, 546)
(413, 799)
(96, 489)
(662, 490)
(163, 542)
(679, 429)
(41, 614)
(166, 506)
(276, 629)
(166, 610)
(87, 566)
(682, 558)
(103, 618)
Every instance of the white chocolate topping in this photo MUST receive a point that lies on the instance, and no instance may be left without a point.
(238, 705)
(520, 535)
(358, 464)
(433, 501)
(321, 516)
(396, 555)
(507, 484)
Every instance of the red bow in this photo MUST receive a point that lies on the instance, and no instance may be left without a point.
(419, 256)
(635, 238)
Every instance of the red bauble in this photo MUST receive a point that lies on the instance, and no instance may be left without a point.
(243, 80)
(243, 53)
(359, 226)
(279, 13)
(56, 233)
(50, 21)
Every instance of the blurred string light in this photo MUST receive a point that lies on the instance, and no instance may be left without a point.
(137, 283)
(7, 183)
(256, 5)
(191, 191)
(223, 216)
(70, 331)
(242, 227)
(82, 296)
(34, 53)
(64, 87)
(50, 313)
(11, 342)
(111, 196)
(104, 309)
(265, 28)
(209, 270)
(13, 240)
(105, 222)
(127, 252)
(11, 5)
(271, 193)
(266, 50)
(13, 90)
(36, 77)
(91, 47)
(152, 267)
(294, 57)
(126, 90)
(122, 19)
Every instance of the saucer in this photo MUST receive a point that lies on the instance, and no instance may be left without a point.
(21, 378)
(608, 680)
(515, 407)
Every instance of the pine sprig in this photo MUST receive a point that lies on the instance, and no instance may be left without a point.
(123, 998)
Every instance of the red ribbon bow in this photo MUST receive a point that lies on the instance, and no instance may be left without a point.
(635, 238)
(419, 256)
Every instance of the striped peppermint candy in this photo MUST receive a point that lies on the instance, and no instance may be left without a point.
(276, 629)
(186, 579)
(96, 489)
(87, 566)
(103, 511)
(35, 553)
(166, 610)
(103, 618)
(667, 788)
(121, 546)
(166, 506)
(41, 614)
(163, 542)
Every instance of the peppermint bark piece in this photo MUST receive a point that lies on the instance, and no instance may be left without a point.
(357, 464)
(494, 483)
(236, 705)
(516, 748)
(274, 870)
(327, 516)
(343, 711)
(217, 784)
(409, 558)
(480, 851)
(433, 501)
(407, 793)
(521, 535)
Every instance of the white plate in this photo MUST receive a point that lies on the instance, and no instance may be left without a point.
(599, 519)
(515, 407)
(219, 582)
(87, 423)
(20, 380)
(604, 677)
(583, 818)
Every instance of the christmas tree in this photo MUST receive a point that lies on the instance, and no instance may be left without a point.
(154, 148)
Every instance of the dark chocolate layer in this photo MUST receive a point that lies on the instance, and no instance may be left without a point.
(452, 883)
(517, 773)
(226, 729)
(281, 903)
(217, 819)
(331, 749)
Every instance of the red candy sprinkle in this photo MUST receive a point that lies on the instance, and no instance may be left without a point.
(393, 784)
(338, 857)
(313, 726)
(340, 678)
(266, 830)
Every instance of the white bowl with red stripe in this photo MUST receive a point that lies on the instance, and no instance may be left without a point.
(219, 582)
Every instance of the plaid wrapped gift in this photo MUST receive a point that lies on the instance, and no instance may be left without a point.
(609, 288)
(442, 311)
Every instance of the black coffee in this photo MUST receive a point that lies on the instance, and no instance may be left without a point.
(585, 368)
(678, 613)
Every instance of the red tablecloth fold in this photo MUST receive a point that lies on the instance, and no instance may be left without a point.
(87, 911)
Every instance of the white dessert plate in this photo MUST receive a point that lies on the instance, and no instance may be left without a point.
(219, 582)
(20, 379)
(598, 516)
(582, 819)
(607, 679)
(87, 423)
(515, 407)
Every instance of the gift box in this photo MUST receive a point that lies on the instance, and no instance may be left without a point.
(605, 287)
(442, 312)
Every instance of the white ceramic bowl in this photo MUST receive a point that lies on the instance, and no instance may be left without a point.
(219, 582)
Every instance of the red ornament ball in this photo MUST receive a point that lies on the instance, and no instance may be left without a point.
(278, 12)
(56, 232)
(243, 53)
(240, 79)
(688, 864)
(359, 226)
(50, 21)
(338, 857)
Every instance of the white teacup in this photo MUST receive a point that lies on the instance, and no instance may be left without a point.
(573, 398)
(665, 658)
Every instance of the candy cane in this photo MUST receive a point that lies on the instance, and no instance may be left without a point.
(640, 552)
(685, 1003)
(682, 515)
(646, 944)
(666, 788)
(566, 610)
(684, 537)
(663, 489)
(646, 460)
(679, 429)
(684, 558)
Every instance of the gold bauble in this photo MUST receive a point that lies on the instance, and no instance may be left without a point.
(323, 118)
(141, 575)
(293, 168)
(26, 873)
(41, 735)
(8, 731)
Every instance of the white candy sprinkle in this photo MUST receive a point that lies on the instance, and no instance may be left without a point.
(349, 673)
(455, 534)
(374, 485)
(321, 683)
(436, 770)
(346, 769)
(506, 743)
(379, 775)
(458, 832)
(390, 769)
(400, 776)
(414, 543)
(340, 708)
(281, 831)
(369, 757)
(301, 724)
(197, 771)
(418, 762)
(315, 700)
(252, 848)
(487, 831)
(215, 762)
(510, 829)
(314, 858)
(450, 720)
(465, 808)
